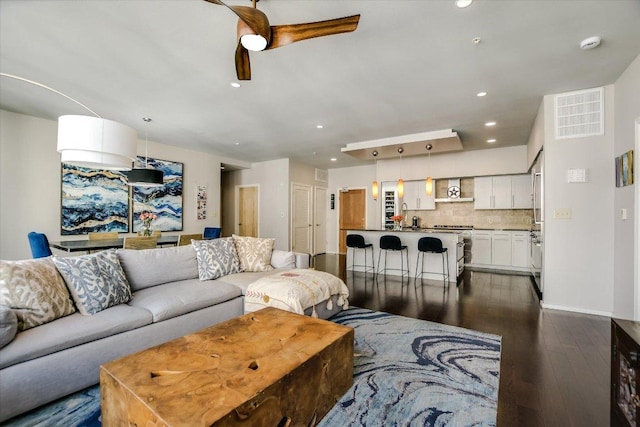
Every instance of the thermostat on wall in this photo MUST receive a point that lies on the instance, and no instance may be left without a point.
(577, 175)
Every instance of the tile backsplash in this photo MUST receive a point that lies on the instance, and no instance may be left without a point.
(463, 213)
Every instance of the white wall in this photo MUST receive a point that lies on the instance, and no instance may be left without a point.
(626, 256)
(536, 136)
(496, 161)
(578, 259)
(354, 178)
(272, 178)
(30, 182)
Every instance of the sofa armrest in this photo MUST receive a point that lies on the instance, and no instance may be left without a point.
(302, 260)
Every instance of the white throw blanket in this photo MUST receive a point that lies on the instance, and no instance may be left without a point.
(296, 290)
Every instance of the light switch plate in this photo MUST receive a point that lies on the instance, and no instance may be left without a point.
(623, 214)
(562, 213)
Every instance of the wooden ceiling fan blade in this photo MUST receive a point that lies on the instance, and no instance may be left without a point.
(253, 18)
(282, 35)
(243, 65)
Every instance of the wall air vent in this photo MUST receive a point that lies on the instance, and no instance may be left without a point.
(322, 175)
(579, 114)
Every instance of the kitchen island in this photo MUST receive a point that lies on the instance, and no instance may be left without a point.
(451, 240)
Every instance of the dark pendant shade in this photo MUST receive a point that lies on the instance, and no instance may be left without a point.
(144, 178)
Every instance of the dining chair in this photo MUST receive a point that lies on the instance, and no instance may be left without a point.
(108, 235)
(39, 245)
(212, 232)
(146, 242)
(185, 239)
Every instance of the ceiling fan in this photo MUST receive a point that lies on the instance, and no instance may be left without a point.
(256, 34)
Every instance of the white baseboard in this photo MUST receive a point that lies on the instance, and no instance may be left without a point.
(575, 310)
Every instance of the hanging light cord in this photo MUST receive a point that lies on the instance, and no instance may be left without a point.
(11, 76)
(146, 141)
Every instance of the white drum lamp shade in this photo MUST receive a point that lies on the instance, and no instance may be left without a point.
(96, 142)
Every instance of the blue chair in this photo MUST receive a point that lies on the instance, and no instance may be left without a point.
(211, 232)
(39, 245)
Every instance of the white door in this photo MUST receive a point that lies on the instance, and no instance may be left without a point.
(301, 218)
(320, 223)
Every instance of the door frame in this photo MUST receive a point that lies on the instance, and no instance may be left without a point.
(338, 208)
(236, 214)
(315, 211)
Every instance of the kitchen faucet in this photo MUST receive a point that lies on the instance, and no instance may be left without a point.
(404, 212)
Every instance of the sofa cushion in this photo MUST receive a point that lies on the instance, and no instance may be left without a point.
(216, 258)
(71, 331)
(34, 289)
(8, 325)
(283, 259)
(177, 298)
(157, 266)
(96, 281)
(254, 253)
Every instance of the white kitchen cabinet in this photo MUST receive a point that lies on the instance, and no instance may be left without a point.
(481, 247)
(415, 196)
(501, 248)
(521, 189)
(520, 249)
(502, 192)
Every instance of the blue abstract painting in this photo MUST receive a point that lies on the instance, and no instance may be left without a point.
(93, 200)
(165, 201)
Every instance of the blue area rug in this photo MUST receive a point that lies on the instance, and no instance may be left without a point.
(407, 372)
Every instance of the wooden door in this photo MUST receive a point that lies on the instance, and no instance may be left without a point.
(301, 218)
(320, 221)
(248, 211)
(352, 214)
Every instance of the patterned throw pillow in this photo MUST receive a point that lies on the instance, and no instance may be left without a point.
(254, 253)
(96, 281)
(216, 258)
(34, 290)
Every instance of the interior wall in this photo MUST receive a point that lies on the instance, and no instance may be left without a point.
(496, 161)
(30, 183)
(536, 137)
(272, 177)
(578, 252)
(626, 257)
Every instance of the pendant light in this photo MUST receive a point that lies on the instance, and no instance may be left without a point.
(145, 177)
(429, 181)
(374, 185)
(400, 185)
(91, 141)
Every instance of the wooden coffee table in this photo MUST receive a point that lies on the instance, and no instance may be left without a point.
(266, 368)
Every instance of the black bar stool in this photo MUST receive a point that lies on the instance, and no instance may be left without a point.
(433, 245)
(393, 243)
(355, 242)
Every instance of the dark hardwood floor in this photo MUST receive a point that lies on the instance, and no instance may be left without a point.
(554, 368)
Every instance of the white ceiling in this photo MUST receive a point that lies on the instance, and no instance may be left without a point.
(410, 67)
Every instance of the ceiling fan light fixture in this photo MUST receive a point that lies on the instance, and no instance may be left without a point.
(253, 42)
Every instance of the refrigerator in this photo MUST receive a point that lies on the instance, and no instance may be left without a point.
(537, 231)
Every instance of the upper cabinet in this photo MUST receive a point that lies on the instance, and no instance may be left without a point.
(502, 192)
(415, 196)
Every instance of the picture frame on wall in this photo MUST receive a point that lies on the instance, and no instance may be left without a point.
(93, 200)
(624, 169)
(165, 201)
(201, 202)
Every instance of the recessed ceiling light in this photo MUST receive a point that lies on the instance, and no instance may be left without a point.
(235, 84)
(333, 159)
(319, 126)
(476, 40)
(490, 124)
(482, 94)
(463, 3)
(237, 143)
(491, 141)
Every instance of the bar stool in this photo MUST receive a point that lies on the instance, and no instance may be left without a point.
(433, 245)
(393, 243)
(355, 242)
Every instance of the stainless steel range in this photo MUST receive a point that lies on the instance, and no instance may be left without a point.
(466, 231)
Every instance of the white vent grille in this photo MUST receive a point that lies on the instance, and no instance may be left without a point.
(322, 175)
(579, 113)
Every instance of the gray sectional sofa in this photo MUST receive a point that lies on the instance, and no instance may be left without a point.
(169, 300)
